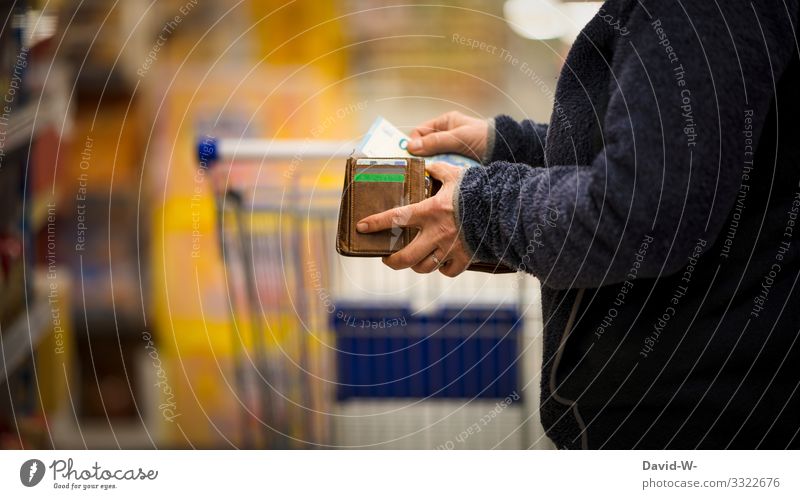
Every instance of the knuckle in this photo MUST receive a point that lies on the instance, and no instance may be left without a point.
(398, 216)
(409, 212)
(442, 204)
(445, 230)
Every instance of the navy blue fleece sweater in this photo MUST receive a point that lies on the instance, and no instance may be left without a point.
(656, 208)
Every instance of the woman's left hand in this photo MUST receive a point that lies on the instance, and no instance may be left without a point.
(436, 245)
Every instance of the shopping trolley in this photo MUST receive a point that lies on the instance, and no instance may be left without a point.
(322, 368)
(265, 221)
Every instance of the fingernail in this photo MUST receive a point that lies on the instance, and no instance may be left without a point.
(362, 226)
(415, 144)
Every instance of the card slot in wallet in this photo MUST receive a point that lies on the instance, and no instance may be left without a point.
(372, 196)
(374, 185)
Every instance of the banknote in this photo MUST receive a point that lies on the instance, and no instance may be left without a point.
(385, 140)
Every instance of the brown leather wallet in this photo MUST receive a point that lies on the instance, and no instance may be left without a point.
(374, 185)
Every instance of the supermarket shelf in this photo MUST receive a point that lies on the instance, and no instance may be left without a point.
(37, 27)
(102, 319)
(40, 209)
(19, 340)
(26, 122)
(99, 435)
(21, 128)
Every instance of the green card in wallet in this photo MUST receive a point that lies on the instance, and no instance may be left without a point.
(374, 185)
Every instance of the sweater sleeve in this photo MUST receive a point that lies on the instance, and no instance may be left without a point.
(672, 155)
(517, 142)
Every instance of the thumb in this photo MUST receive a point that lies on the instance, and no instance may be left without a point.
(435, 143)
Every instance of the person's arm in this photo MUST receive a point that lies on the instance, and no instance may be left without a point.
(515, 142)
(672, 158)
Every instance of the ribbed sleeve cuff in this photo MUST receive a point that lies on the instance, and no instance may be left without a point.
(518, 142)
(473, 213)
(505, 132)
(457, 213)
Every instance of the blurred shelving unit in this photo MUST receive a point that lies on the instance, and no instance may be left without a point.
(119, 55)
(101, 44)
(35, 342)
(23, 337)
(105, 129)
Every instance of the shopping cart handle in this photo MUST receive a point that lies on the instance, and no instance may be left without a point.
(210, 149)
(207, 151)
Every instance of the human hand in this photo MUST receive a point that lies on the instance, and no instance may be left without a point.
(451, 132)
(436, 245)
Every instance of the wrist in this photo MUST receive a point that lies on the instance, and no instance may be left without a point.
(458, 213)
(490, 138)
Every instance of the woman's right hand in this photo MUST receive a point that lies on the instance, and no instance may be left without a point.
(451, 132)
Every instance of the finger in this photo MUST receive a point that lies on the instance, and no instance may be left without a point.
(448, 251)
(440, 123)
(418, 132)
(443, 171)
(454, 267)
(435, 143)
(428, 264)
(402, 216)
(415, 252)
(455, 258)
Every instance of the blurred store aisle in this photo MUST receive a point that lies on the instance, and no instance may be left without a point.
(154, 318)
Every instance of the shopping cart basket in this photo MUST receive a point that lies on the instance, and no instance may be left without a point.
(334, 361)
